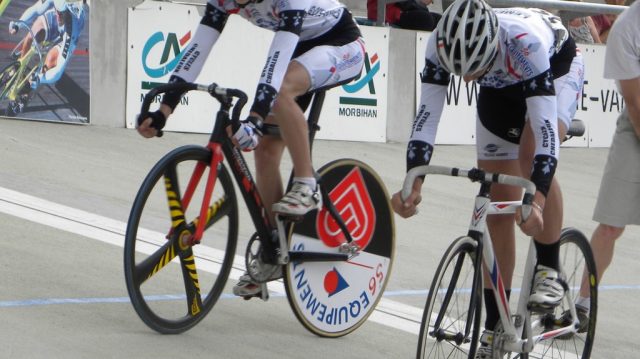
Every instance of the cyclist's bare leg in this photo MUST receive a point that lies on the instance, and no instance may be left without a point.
(502, 228)
(548, 288)
(502, 231)
(52, 58)
(293, 130)
(290, 118)
(268, 178)
(603, 241)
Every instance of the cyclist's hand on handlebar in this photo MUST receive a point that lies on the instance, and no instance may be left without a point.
(151, 124)
(534, 224)
(13, 27)
(409, 206)
(246, 134)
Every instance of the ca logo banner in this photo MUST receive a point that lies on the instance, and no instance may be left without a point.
(170, 57)
(372, 67)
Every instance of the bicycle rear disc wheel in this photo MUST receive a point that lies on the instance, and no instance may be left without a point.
(333, 298)
(454, 299)
(172, 282)
(575, 258)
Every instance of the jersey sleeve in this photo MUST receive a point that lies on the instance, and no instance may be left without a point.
(35, 10)
(432, 96)
(543, 119)
(531, 57)
(192, 62)
(285, 40)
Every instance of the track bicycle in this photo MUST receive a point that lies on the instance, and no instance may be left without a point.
(14, 77)
(451, 319)
(336, 261)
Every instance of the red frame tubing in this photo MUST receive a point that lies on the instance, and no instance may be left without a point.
(216, 158)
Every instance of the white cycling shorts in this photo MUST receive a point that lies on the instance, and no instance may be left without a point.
(329, 65)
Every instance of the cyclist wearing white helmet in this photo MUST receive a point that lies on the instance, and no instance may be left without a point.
(59, 21)
(60, 5)
(530, 75)
(316, 45)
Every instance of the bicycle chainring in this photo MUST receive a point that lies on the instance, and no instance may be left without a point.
(498, 342)
(258, 270)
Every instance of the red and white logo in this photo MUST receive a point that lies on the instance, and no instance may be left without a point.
(354, 205)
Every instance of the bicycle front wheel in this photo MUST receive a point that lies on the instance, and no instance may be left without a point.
(173, 282)
(7, 78)
(576, 260)
(333, 298)
(451, 317)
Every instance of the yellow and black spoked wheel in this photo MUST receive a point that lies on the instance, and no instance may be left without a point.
(173, 277)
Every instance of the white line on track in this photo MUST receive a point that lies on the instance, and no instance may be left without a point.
(389, 313)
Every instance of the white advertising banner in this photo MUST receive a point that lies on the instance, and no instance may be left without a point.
(357, 111)
(160, 32)
(598, 109)
(601, 103)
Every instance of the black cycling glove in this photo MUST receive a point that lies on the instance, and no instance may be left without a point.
(158, 120)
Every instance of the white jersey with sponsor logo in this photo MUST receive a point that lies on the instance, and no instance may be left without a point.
(528, 38)
(293, 21)
(320, 15)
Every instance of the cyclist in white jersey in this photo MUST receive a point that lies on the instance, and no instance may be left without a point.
(317, 45)
(60, 21)
(530, 76)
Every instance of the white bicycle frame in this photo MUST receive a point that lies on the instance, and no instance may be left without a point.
(514, 325)
(518, 336)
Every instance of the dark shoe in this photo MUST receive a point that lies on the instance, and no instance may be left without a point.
(566, 320)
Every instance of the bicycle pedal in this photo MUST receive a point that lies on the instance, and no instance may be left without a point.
(291, 218)
(541, 310)
(262, 294)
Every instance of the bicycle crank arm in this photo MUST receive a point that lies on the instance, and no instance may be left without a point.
(283, 253)
(304, 256)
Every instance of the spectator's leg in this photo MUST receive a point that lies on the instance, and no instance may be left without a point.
(603, 242)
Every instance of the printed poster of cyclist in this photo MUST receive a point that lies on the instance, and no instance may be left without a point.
(44, 60)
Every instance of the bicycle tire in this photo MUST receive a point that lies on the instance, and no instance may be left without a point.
(7, 78)
(334, 298)
(456, 274)
(575, 257)
(157, 287)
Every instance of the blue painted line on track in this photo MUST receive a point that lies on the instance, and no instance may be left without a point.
(169, 297)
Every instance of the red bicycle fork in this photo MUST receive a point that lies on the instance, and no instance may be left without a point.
(216, 158)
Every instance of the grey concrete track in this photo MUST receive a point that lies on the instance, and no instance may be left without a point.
(62, 295)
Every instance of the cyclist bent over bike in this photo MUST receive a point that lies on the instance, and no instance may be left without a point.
(317, 44)
(56, 21)
(530, 76)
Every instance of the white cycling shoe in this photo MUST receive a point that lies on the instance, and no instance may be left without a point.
(300, 200)
(485, 349)
(248, 288)
(547, 291)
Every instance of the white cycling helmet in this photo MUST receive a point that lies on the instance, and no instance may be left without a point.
(467, 37)
(60, 5)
